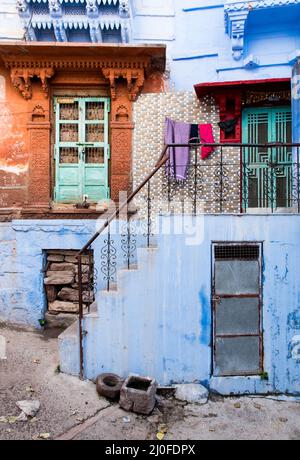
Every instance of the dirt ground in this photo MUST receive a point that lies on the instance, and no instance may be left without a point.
(71, 409)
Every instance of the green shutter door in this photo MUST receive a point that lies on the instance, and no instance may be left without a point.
(267, 171)
(82, 149)
(67, 151)
(96, 149)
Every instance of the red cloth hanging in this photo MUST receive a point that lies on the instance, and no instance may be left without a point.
(206, 136)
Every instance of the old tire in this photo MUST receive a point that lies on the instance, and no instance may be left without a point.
(109, 386)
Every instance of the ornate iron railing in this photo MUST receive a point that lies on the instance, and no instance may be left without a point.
(229, 181)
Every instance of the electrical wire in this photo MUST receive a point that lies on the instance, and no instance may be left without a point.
(18, 113)
(11, 38)
(28, 27)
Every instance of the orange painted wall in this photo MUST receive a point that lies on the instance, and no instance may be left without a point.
(14, 152)
(25, 150)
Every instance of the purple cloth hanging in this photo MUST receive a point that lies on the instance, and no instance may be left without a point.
(177, 133)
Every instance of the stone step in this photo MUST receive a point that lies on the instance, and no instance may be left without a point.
(109, 304)
(60, 321)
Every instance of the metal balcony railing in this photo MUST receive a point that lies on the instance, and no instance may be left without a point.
(235, 179)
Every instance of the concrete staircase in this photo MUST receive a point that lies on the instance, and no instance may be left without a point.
(109, 317)
(156, 322)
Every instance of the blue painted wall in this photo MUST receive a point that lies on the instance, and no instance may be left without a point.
(157, 324)
(201, 35)
(200, 46)
(22, 255)
(10, 23)
(296, 107)
(203, 49)
(159, 321)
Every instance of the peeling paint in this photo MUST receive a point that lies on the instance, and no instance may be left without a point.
(190, 338)
(18, 170)
(295, 348)
(281, 275)
(294, 320)
(205, 318)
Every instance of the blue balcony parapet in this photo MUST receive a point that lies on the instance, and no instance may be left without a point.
(93, 21)
(236, 15)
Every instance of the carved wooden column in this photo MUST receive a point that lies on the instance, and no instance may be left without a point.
(38, 197)
(125, 85)
(38, 188)
(121, 143)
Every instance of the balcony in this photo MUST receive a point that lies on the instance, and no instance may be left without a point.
(239, 14)
(96, 21)
(236, 179)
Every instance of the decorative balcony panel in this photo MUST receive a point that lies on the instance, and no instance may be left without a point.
(96, 21)
(236, 15)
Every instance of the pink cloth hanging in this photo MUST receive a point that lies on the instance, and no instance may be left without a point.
(206, 136)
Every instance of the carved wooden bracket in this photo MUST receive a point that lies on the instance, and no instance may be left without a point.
(21, 79)
(135, 80)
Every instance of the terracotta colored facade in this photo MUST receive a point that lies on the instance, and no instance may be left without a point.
(31, 75)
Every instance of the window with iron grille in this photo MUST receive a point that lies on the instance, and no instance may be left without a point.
(237, 309)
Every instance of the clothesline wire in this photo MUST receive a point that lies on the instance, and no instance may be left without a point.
(197, 139)
(18, 113)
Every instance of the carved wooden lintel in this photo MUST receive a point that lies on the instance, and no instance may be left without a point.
(134, 77)
(22, 80)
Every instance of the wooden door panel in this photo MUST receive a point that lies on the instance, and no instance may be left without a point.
(82, 149)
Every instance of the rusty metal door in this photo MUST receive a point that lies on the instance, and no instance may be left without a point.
(237, 341)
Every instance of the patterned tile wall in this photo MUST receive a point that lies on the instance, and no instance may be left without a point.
(206, 180)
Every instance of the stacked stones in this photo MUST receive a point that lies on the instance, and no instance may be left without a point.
(61, 282)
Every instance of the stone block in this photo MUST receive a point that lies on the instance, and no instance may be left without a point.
(192, 393)
(74, 260)
(84, 269)
(62, 267)
(59, 278)
(63, 252)
(72, 295)
(69, 252)
(86, 260)
(66, 307)
(55, 258)
(71, 259)
(138, 394)
(59, 320)
(69, 294)
(51, 293)
(85, 279)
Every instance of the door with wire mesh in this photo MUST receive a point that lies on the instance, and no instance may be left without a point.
(81, 149)
(237, 325)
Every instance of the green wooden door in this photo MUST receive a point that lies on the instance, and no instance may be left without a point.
(81, 149)
(267, 171)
